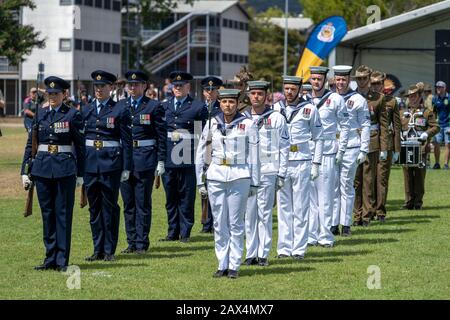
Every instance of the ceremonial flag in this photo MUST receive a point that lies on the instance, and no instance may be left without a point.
(322, 40)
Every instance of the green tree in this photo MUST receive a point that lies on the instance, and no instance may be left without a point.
(16, 40)
(355, 12)
(267, 47)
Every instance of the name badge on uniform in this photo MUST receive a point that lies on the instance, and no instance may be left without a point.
(421, 122)
(144, 119)
(110, 122)
(62, 127)
(176, 136)
(328, 101)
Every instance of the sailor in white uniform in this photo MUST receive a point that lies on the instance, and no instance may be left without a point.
(355, 154)
(331, 107)
(232, 177)
(273, 155)
(304, 124)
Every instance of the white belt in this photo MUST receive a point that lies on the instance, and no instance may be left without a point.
(374, 127)
(144, 143)
(101, 143)
(176, 135)
(53, 148)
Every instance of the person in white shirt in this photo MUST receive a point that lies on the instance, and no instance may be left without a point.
(331, 107)
(273, 154)
(232, 176)
(293, 199)
(355, 153)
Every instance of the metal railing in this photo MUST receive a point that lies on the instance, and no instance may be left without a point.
(168, 55)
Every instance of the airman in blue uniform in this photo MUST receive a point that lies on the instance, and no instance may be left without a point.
(58, 163)
(108, 162)
(183, 116)
(149, 134)
(210, 87)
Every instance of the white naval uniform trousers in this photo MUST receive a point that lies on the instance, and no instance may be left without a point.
(331, 108)
(294, 198)
(359, 139)
(273, 155)
(234, 167)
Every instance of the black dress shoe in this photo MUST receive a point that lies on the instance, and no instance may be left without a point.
(44, 267)
(335, 230)
(168, 239)
(365, 223)
(282, 256)
(61, 268)
(109, 257)
(184, 240)
(298, 257)
(263, 262)
(140, 251)
(251, 261)
(232, 274)
(382, 219)
(220, 273)
(346, 231)
(407, 207)
(95, 257)
(128, 250)
(418, 207)
(357, 223)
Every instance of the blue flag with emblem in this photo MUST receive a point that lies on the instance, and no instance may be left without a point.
(322, 40)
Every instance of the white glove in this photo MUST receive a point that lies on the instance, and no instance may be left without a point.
(424, 136)
(125, 175)
(314, 171)
(160, 169)
(202, 190)
(80, 181)
(361, 158)
(279, 183)
(253, 191)
(26, 181)
(339, 157)
(447, 131)
(395, 157)
(383, 155)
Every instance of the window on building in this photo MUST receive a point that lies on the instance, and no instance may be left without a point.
(78, 44)
(246, 59)
(98, 3)
(241, 26)
(88, 3)
(107, 4)
(201, 56)
(98, 46)
(65, 45)
(87, 45)
(116, 48)
(225, 23)
(246, 26)
(106, 47)
(116, 5)
(241, 59)
(79, 2)
(224, 57)
(65, 2)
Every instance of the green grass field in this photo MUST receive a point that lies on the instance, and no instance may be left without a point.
(412, 251)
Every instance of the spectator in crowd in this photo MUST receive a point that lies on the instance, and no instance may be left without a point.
(29, 107)
(442, 110)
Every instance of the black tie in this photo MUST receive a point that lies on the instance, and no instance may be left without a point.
(177, 105)
(52, 114)
(134, 103)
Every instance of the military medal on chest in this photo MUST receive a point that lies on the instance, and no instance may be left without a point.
(144, 119)
(62, 127)
(110, 122)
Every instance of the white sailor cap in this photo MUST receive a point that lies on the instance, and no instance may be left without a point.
(342, 70)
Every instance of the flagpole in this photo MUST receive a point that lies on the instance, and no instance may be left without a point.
(286, 11)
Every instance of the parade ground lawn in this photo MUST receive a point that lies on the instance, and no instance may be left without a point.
(411, 251)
